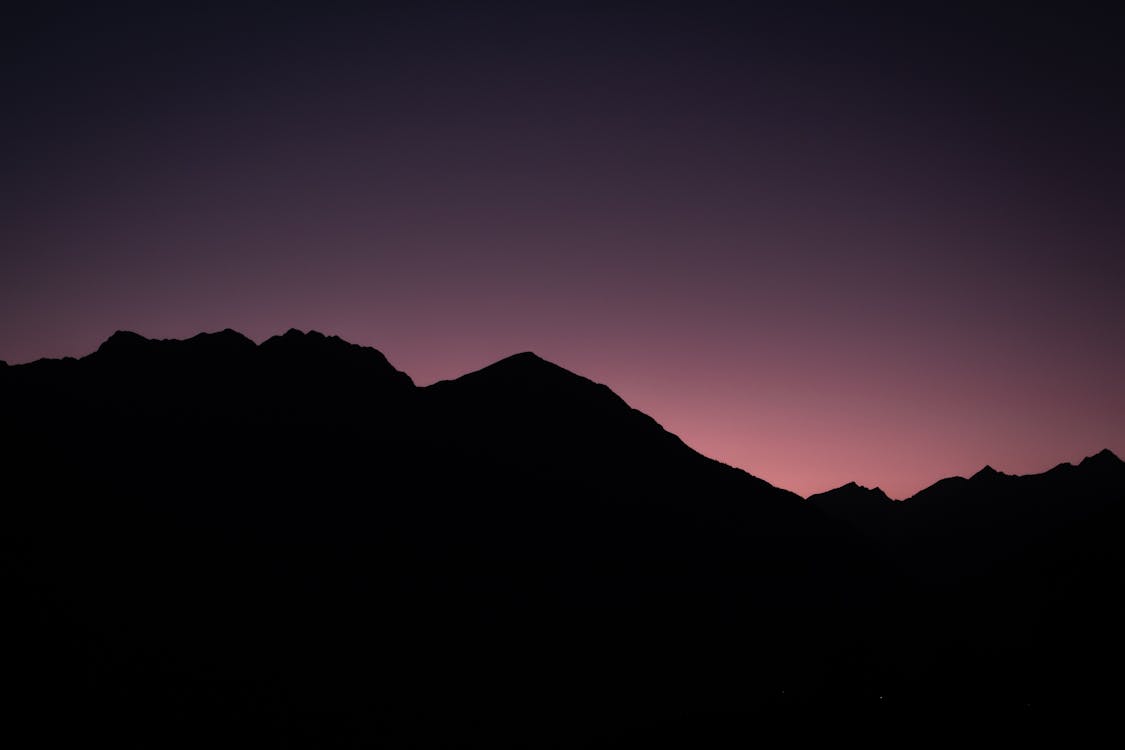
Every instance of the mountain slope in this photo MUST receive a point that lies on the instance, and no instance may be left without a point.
(290, 543)
(297, 523)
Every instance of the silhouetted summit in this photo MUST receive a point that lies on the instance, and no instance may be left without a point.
(324, 377)
(210, 541)
(527, 389)
(987, 473)
(124, 346)
(532, 380)
(545, 418)
(527, 363)
(210, 377)
(865, 508)
(851, 491)
(1103, 459)
(124, 343)
(315, 351)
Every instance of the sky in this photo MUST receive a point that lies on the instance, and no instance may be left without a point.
(821, 242)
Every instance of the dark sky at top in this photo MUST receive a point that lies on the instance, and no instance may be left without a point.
(823, 242)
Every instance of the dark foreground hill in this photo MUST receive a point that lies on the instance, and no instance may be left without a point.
(290, 545)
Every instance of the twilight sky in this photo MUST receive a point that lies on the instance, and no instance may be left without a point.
(817, 242)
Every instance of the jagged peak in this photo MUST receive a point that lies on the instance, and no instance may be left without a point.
(312, 348)
(122, 337)
(852, 489)
(294, 346)
(227, 334)
(128, 343)
(1104, 457)
(295, 336)
(226, 339)
(122, 343)
(987, 473)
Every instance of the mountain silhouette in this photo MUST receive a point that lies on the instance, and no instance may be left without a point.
(869, 510)
(290, 543)
(957, 525)
(852, 495)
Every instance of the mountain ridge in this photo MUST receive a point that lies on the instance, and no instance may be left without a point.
(291, 543)
(519, 368)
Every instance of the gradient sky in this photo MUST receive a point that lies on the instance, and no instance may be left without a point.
(817, 242)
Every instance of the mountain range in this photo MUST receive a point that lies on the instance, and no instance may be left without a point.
(291, 544)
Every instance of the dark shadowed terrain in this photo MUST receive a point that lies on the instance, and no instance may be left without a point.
(212, 542)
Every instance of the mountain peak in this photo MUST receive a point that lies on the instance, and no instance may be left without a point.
(524, 357)
(851, 491)
(127, 345)
(310, 339)
(313, 351)
(525, 360)
(1104, 457)
(123, 341)
(988, 473)
(227, 339)
(525, 368)
(524, 385)
(296, 334)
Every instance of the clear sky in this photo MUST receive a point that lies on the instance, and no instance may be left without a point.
(818, 242)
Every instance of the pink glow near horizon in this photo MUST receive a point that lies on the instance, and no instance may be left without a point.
(900, 432)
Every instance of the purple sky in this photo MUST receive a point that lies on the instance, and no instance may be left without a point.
(822, 245)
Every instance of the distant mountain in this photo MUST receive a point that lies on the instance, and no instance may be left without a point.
(869, 510)
(851, 495)
(958, 525)
(213, 541)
